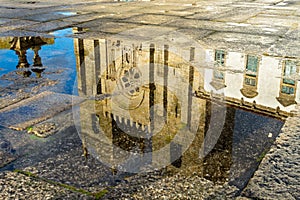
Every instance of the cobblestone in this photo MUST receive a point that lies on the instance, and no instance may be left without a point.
(14, 185)
(278, 176)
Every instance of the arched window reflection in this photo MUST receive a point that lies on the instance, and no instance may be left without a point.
(251, 76)
(288, 82)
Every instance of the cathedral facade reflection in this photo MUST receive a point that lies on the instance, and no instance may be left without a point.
(159, 106)
(147, 94)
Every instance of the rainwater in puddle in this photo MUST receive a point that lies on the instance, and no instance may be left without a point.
(159, 105)
(31, 65)
(30, 60)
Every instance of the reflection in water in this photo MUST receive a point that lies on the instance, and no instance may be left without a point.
(46, 61)
(20, 45)
(167, 106)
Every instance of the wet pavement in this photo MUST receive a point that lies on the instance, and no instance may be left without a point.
(149, 99)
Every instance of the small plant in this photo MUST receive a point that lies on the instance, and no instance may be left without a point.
(262, 155)
(29, 129)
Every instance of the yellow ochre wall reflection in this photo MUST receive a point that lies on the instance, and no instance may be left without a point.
(153, 100)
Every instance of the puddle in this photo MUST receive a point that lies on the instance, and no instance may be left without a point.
(165, 103)
(9, 58)
(158, 107)
(33, 59)
(67, 13)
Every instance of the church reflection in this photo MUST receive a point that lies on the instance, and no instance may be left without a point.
(153, 105)
(21, 45)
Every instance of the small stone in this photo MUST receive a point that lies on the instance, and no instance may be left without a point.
(270, 135)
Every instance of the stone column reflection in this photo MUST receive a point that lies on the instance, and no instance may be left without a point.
(148, 141)
(166, 76)
(190, 86)
(20, 46)
(37, 62)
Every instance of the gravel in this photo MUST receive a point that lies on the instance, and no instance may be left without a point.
(154, 185)
(18, 186)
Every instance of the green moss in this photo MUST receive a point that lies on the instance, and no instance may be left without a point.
(262, 155)
(97, 195)
(100, 194)
(25, 173)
